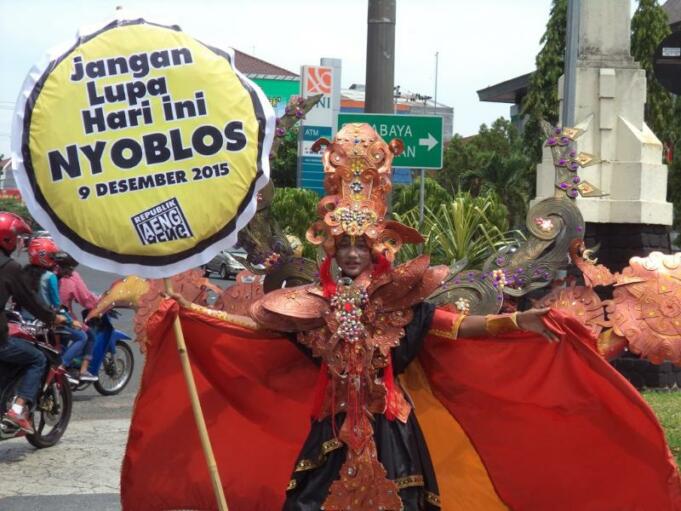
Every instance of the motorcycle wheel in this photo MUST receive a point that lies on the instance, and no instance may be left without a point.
(53, 411)
(116, 370)
(7, 430)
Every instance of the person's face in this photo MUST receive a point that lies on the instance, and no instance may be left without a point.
(353, 255)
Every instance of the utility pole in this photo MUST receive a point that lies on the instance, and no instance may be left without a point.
(437, 57)
(380, 71)
(571, 51)
(422, 189)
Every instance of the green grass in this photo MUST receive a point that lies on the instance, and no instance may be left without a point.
(667, 406)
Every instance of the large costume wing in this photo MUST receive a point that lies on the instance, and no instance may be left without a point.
(256, 393)
(515, 422)
(511, 422)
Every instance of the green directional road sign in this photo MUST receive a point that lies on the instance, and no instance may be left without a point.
(421, 134)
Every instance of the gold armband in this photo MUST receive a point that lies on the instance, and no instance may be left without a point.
(497, 324)
(232, 319)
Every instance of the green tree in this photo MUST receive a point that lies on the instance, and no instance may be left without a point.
(406, 197)
(492, 161)
(509, 179)
(542, 96)
(16, 206)
(295, 209)
(649, 26)
(284, 167)
(461, 155)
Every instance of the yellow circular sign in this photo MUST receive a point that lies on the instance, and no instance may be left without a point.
(142, 149)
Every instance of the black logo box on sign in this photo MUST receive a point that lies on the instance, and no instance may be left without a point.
(161, 223)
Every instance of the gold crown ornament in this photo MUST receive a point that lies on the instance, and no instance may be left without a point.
(357, 181)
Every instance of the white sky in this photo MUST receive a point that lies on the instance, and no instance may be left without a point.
(480, 42)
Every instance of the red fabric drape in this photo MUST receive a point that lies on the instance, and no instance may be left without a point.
(256, 394)
(554, 424)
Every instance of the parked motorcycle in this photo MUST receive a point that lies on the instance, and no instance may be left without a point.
(112, 358)
(52, 411)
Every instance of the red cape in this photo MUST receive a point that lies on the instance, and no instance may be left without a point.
(511, 422)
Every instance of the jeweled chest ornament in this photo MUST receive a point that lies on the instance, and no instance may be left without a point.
(348, 306)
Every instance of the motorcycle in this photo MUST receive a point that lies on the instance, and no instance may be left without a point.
(52, 409)
(112, 358)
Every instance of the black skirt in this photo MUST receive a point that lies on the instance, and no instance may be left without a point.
(401, 449)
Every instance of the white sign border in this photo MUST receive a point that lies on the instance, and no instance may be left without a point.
(99, 262)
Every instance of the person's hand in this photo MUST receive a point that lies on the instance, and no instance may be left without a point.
(77, 324)
(60, 319)
(532, 321)
(178, 298)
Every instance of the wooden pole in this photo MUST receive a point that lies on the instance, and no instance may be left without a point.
(196, 408)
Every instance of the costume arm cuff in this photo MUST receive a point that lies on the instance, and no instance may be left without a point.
(446, 324)
(497, 324)
(232, 319)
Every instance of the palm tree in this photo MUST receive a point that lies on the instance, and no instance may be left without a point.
(465, 227)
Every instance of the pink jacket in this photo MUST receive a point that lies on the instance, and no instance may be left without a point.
(73, 288)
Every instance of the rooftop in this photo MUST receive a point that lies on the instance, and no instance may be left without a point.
(673, 10)
(258, 68)
(511, 91)
(406, 98)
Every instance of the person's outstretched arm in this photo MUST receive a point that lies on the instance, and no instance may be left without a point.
(452, 325)
(242, 321)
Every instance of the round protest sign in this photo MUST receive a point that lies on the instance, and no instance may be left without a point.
(140, 148)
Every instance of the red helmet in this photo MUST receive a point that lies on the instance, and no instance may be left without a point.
(41, 252)
(11, 226)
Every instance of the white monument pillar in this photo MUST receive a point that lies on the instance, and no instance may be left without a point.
(610, 98)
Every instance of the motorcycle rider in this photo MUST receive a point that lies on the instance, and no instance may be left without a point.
(16, 351)
(72, 288)
(42, 255)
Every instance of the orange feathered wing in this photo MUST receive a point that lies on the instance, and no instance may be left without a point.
(510, 423)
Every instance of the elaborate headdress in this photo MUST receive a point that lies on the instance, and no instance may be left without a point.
(357, 180)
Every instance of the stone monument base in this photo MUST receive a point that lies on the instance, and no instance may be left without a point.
(621, 242)
(643, 374)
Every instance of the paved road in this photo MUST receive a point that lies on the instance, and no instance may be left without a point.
(82, 471)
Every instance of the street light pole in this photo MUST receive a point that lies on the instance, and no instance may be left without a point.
(422, 190)
(437, 55)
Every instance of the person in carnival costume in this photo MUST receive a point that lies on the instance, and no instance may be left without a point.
(384, 355)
